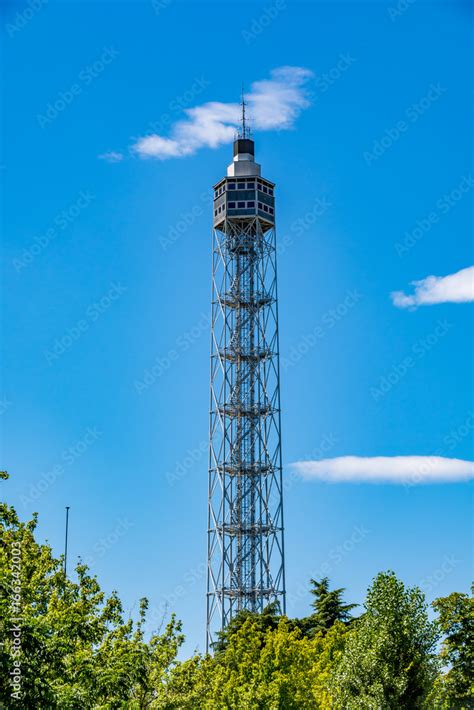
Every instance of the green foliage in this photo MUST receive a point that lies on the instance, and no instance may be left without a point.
(328, 608)
(388, 661)
(268, 619)
(260, 668)
(456, 622)
(75, 650)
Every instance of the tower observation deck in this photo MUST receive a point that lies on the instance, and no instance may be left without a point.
(245, 512)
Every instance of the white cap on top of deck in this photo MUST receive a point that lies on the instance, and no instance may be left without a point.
(244, 164)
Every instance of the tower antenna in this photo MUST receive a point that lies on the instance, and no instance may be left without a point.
(244, 128)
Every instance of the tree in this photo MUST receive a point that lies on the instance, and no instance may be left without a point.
(63, 643)
(389, 659)
(456, 622)
(272, 668)
(268, 619)
(328, 608)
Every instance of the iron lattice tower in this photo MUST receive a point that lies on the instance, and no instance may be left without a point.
(245, 523)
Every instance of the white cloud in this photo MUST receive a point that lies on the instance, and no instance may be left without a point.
(274, 103)
(386, 469)
(455, 288)
(112, 156)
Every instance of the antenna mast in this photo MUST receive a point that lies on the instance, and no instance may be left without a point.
(244, 127)
(65, 541)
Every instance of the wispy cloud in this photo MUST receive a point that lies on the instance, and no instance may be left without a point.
(273, 103)
(455, 288)
(386, 469)
(112, 156)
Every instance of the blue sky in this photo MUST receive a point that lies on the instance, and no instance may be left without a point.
(106, 275)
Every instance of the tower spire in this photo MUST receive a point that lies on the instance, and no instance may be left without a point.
(244, 127)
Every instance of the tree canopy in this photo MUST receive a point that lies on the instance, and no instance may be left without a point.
(389, 661)
(328, 608)
(456, 622)
(66, 645)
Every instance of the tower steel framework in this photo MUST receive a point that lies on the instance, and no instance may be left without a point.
(245, 522)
